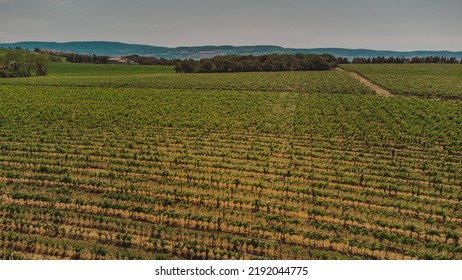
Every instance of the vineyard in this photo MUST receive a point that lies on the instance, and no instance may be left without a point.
(149, 164)
(422, 80)
(161, 77)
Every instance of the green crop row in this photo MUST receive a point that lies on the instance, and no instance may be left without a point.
(422, 80)
(159, 77)
(152, 165)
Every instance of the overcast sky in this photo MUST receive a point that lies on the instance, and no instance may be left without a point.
(375, 24)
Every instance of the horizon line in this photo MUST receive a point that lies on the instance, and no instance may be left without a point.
(228, 45)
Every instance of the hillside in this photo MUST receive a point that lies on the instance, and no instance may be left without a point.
(115, 49)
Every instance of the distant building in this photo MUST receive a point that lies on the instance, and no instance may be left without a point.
(120, 60)
(51, 52)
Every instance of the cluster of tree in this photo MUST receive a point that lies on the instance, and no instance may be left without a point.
(342, 60)
(150, 60)
(18, 64)
(86, 58)
(250, 63)
(16, 48)
(379, 60)
(397, 60)
(434, 59)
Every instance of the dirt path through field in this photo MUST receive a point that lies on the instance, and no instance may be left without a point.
(376, 88)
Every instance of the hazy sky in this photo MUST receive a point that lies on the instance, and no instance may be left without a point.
(391, 24)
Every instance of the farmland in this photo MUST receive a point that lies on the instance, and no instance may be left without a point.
(155, 77)
(422, 80)
(128, 162)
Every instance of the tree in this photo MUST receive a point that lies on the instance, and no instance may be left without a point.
(206, 66)
(13, 61)
(17, 64)
(41, 64)
(30, 62)
(186, 66)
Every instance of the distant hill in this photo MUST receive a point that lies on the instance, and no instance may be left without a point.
(115, 49)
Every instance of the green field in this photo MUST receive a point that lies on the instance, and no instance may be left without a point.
(423, 80)
(82, 69)
(128, 162)
(130, 76)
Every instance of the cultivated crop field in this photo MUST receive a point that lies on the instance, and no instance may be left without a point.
(422, 80)
(149, 164)
(164, 77)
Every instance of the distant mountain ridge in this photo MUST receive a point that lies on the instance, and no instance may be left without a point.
(116, 49)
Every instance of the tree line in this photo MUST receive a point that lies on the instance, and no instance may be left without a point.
(85, 58)
(103, 59)
(150, 60)
(398, 60)
(18, 64)
(251, 63)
